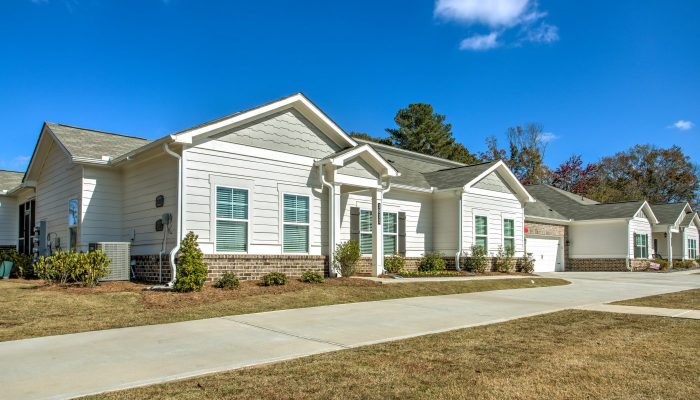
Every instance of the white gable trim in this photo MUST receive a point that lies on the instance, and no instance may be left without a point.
(507, 175)
(367, 153)
(647, 210)
(298, 101)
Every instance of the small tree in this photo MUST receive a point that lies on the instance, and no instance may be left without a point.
(346, 256)
(505, 262)
(191, 270)
(432, 261)
(476, 262)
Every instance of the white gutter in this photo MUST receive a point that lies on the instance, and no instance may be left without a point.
(331, 217)
(459, 229)
(180, 196)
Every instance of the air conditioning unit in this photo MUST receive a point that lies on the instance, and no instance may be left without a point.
(120, 255)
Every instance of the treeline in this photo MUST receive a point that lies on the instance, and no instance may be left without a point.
(660, 175)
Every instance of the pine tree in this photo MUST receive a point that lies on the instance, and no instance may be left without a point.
(191, 270)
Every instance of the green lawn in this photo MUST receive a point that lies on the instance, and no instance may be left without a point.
(565, 355)
(687, 299)
(31, 310)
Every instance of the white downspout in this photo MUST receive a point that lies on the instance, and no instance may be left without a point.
(180, 185)
(669, 244)
(459, 230)
(331, 217)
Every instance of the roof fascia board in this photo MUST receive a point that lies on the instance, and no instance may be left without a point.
(546, 220)
(367, 153)
(522, 193)
(647, 207)
(297, 101)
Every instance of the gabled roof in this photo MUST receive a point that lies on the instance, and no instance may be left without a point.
(90, 144)
(364, 151)
(669, 214)
(10, 180)
(458, 176)
(689, 219)
(578, 208)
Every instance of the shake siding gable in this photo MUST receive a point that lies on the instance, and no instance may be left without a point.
(358, 168)
(494, 183)
(59, 181)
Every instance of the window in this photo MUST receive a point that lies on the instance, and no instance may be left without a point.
(391, 230)
(692, 248)
(231, 219)
(509, 234)
(481, 231)
(641, 246)
(296, 224)
(365, 232)
(73, 224)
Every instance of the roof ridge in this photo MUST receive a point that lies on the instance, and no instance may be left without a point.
(464, 166)
(400, 150)
(98, 131)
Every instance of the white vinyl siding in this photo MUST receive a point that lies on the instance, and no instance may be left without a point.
(390, 222)
(365, 231)
(639, 226)
(9, 212)
(296, 223)
(496, 208)
(102, 206)
(231, 219)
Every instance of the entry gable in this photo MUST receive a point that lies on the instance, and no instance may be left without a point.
(494, 183)
(499, 176)
(363, 152)
(298, 102)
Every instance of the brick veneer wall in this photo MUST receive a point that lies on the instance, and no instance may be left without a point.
(249, 267)
(538, 228)
(597, 264)
(147, 268)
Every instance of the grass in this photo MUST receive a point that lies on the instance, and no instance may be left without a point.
(32, 310)
(564, 355)
(687, 300)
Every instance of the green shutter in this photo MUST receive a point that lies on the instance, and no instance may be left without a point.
(231, 236)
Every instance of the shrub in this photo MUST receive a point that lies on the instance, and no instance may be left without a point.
(274, 279)
(419, 274)
(663, 264)
(527, 263)
(394, 264)
(191, 270)
(68, 267)
(311, 277)
(21, 263)
(504, 261)
(477, 261)
(432, 261)
(228, 280)
(346, 256)
(683, 264)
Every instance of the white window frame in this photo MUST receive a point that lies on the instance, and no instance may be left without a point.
(216, 218)
(73, 226)
(308, 224)
(503, 227)
(395, 233)
(693, 250)
(476, 215)
(365, 232)
(646, 246)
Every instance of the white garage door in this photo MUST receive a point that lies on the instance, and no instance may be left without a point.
(546, 252)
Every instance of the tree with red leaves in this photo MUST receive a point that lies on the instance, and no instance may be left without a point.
(574, 177)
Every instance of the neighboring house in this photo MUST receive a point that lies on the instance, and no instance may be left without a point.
(565, 231)
(272, 188)
(676, 235)
(9, 181)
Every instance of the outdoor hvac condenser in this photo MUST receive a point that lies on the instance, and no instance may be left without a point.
(120, 254)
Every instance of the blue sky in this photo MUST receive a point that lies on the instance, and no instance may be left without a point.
(600, 76)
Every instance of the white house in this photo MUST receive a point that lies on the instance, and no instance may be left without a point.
(565, 231)
(275, 187)
(676, 235)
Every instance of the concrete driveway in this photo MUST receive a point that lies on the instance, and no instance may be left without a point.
(85, 363)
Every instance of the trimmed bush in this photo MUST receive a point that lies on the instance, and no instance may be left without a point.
(527, 263)
(191, 270)
(346, 256)
(684, 264)
(22, 266)
(477, 261)
(71, 267)
(92, 267)
(274, 279)
(504, 260)
(420, 274)
(311, 277)
(228, 280)
(394, 264)
(432, 261)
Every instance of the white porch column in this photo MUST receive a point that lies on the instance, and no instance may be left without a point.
(377, 233)
(334, 233)
(669, 244)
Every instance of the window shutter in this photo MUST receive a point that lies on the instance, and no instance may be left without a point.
(402, 234)
(355, 224)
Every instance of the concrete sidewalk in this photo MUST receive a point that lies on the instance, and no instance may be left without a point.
(92, 362)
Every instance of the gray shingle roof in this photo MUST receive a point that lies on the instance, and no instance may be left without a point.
(92, 144)
(668, 213)
(456, 177)
(10, 179)
(542, 210)
(688, 219)
(413, 166)
(572, 206)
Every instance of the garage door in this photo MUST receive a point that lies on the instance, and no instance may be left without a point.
(546, 253)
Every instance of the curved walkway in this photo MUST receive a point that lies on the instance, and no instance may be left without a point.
(92, 362)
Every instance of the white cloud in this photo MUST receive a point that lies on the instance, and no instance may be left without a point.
(18, 163)
(489, 12)
(521, 17)
(480, 42)
(547, 137)
(682, 125)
